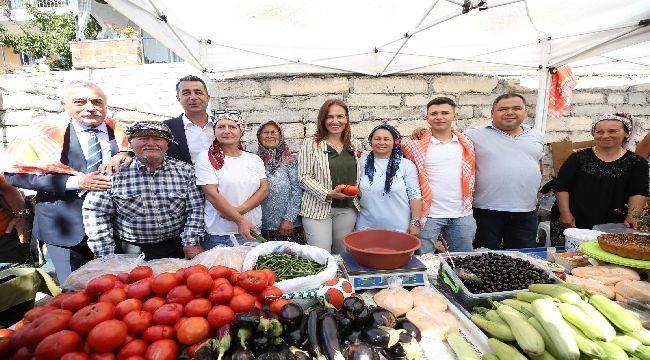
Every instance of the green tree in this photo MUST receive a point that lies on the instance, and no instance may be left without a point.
(48, 35)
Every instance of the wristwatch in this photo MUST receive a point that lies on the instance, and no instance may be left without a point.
(21, 214)
(416, 222)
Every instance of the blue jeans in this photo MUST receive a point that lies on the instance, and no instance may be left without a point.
(458, 232)
(505, 230)
(211, 241)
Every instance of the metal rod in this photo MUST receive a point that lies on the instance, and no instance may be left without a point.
(408, 37)
(541, 110)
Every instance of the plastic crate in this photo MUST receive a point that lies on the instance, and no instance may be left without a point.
(450, 282)
(539, 252)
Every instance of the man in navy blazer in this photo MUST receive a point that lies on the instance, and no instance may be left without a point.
(57, 212)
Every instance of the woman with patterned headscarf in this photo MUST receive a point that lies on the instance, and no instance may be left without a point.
(602, 184)
(390, 192)
(280, 219)
(234, 183)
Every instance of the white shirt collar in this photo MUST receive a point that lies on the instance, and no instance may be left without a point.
(435, 140)
(82, 127)
(187, 122)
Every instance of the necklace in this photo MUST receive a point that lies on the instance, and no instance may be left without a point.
(338, 148)
(602, 157)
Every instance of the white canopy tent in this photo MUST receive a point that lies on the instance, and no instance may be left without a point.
(227, 39)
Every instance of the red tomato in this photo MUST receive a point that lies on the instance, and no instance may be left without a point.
(56, 345)
(134, 357)
(115, 296)
(221, 294)
(277, 305)
(103, 356)
(86, 318)
(192, 330)
(162, 350)
(181, 294)
(77, 355)
(140, 289)
(258, 305)
(220, 271)
(270, 276)
(180, 276)
(120, 285)
(158, 332)
(35, 312)
(218, 281)
(194, 269)
(56, 301)
(152, 304)
(123, 277)
(270, 294)
(126, 307)
(221, 315)
(242, 303)
(107, 335)
(350, 190)
(140, 272)
(135, 347)
(163, 283)
(252, 280)
(236, 290)
(23, 354)
(48, 324)
(19, 325)
(198, 307)
(5, 342)
(75, 301)
(199, 282)
(100, 284)
(137, 321)
(167, 314)
(233, 277)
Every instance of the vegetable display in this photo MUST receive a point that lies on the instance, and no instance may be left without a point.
(556, 322)
(499, 272)
(287, 266)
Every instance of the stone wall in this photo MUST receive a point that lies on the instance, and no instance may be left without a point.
(147, 92)
(108, 53)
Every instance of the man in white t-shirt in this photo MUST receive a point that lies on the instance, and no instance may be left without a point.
(446, 169)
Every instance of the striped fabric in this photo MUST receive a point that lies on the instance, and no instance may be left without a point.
(315, 179)
(94, 152)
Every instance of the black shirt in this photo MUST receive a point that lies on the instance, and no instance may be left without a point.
(599, 190)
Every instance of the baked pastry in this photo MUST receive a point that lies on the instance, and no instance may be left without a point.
(632, 246)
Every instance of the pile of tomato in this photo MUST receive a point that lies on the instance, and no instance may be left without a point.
(138, 315)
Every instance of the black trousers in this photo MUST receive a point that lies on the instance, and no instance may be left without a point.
(505, 230)
(170, 248)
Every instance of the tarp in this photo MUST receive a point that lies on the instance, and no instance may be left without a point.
(382, 37)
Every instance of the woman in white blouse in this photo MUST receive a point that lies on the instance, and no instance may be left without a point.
(234, 183)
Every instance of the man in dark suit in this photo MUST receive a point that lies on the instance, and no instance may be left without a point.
(88, 139)
(193, 130)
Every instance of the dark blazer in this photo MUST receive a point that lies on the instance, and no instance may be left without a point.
(57, 212)
(178, 151)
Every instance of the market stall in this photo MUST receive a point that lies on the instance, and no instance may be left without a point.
(281, 300)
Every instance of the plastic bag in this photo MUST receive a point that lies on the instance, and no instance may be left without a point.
(305, 251)
(111, 264)
(232, 257)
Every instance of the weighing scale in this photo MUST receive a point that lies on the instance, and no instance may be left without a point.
(362, 277)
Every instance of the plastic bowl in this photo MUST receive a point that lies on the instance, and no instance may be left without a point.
(381, 249)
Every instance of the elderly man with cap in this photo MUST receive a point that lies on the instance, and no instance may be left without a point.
(154, 206)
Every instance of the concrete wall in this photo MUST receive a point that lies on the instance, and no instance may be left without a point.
(147, 92)
(108, 53)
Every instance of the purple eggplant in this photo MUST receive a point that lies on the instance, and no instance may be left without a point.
(382, 317)
(329, 338)
(361, 351)
(410, 328)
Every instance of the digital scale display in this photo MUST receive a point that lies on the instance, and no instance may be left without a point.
(362, 277)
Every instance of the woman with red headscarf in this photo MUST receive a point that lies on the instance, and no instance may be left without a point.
(234, 183)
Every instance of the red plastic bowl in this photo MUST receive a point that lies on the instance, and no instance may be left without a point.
(381, 249)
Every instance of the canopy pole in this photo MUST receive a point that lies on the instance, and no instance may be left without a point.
(163, 18)
(408, 35)
(541, 111)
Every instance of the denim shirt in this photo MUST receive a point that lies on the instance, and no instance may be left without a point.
(283, 202)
